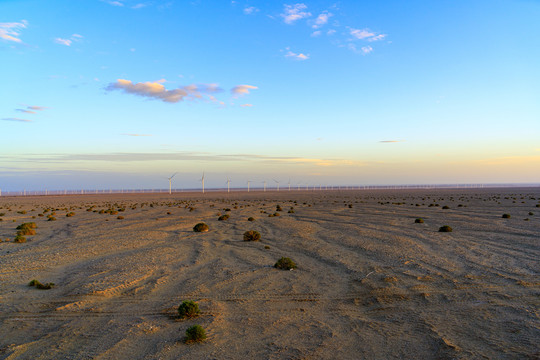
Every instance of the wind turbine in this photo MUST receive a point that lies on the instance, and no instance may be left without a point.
(277, 182)
(202, 180)
(170, 178)
(264, 185)
(228, 184)
(248, 182)
(289, 184)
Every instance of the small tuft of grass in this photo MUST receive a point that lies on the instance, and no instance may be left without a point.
(445, 228)
(506, 216)
(19, 239)
(251, 218)
(267, 247)
(223, 217)
(201, 227)
(445, 207)
(419, 221)
(285, 263)
(188, 309)
(70, 214)
(195, 333)
(252, 235)
(120, 217)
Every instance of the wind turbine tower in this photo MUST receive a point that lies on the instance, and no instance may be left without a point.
(170, 178)
(289, 184)
(202, 180)
(228, 185)
(264, 185)
(277, 182)
(248, 184)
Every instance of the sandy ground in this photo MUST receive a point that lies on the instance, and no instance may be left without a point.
(371, 283)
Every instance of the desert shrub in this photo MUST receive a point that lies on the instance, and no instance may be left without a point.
(188, 309)
(195, 333)
(251, 218)
(278, 208)
(201, 227)
(285, 264)
(223, 217)
(70, 214)
(252, 235)
(290, 211)
(506, 216)
(531, 213)
(51, 218)
(120, 217)
(28, 225)
(23, 212)
(445, 228)
(41, 286)
(168, 213)
(445, 207)
(419, 221)
(266, 247)
(26, 231)
(19, 239)
(274, 214)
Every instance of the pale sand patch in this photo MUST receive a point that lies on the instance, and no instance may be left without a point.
(370, 282)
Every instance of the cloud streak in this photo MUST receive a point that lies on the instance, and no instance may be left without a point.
(241, 90)
(299, 56)
(156, 90)
(391, 141)
(11, 31)
(322, 20)
(365, 34)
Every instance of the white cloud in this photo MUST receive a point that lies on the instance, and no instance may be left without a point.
(240, 90)
(361, 34)
(250, 10)
(322, 20)
(11, 31)
(331, 32)
(138, 6)
(114, 3)
(294, 13)
(300, 56)
(377, 37)
(316, 33)
(246, 105)
(156, 90)
(364, 50)
(68, 42)
(61, 41)
(16, 119)
(365, 34)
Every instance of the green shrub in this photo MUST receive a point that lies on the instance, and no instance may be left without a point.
(195, 333)
(531, 213)
(445, 207)
(201, 227)
(19, 239)
(41, 286)
(285, 264)
(51, 218)
(223, 217)
(28, 225)
(70, 214)
(251, 218)
(419, 221)
(266, 247)
(188, 309)
(445, 228)
(506, 216)
(252, 235)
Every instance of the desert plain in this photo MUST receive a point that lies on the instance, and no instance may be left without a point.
(371, 283)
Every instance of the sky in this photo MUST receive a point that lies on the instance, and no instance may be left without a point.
(100, 94)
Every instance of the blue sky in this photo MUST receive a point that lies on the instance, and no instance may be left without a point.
(100, 94)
